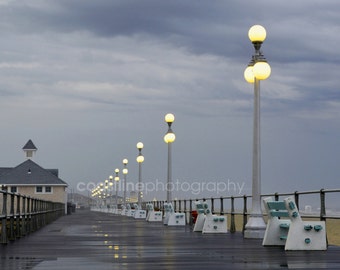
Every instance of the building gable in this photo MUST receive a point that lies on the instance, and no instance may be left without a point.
(29, 173)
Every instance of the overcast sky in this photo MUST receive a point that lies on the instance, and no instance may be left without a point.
(86, 80)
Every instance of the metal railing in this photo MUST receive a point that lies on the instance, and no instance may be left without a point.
(226, 205)
(22, 215)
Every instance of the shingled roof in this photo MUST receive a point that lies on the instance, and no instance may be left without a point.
(29, 173)
(29, 146)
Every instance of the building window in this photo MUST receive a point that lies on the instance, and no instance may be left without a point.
(14, 189)
(44, 190)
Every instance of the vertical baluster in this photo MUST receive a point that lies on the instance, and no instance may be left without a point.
(322, 205)
(221, 207)
(4, 238)
(296, 198)
(18, 219)
(212, 206)
(190, 212)
(232, 214)
(11, 235)
(244, 213)
(23, 218)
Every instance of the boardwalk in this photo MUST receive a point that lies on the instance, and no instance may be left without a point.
(91, 240)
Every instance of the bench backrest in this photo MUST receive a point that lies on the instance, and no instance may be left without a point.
(207, 209)
(286, 208)
(277, 209)
(149, 206)
(199, 207)
(168, 207)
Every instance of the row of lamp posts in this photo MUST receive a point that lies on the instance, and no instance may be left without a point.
(102, 191)
(257, 70)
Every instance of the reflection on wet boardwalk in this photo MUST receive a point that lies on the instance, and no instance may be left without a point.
(92, 240)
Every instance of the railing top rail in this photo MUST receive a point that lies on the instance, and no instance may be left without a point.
(265, 195)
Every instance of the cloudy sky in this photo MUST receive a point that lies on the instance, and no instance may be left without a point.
(86, 80)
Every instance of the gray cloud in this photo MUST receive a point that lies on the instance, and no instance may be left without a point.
(86, 80)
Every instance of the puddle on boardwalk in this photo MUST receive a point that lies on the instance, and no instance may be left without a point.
(27, 263)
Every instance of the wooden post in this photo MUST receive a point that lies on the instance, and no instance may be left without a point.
(232, 214)
(244, 213)
(4, 239)
(23, 218)
(18, 218)
(11, 235)
(296, 198)
(212, 206)
(221, 207)
(322, 205)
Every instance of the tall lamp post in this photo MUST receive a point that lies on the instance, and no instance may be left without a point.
(125, 172)
(258, 69)
(106, 193)
(116, 185)
(169, 138)
(140, 160)
(111, 188)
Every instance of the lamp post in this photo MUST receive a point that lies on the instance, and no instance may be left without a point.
(125, 172)
(111, 188)
(169, 138)
(101, 185)
(116, 182)
(106, 193)
(258, 69)
(140, 160)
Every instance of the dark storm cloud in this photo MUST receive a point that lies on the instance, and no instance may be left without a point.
(105, 72)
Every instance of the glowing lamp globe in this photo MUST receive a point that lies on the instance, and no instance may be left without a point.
(169, 137)
(261, 70)
(140, 159)
(140, 145)
(257, 33)
(169, 118)
(249, 74)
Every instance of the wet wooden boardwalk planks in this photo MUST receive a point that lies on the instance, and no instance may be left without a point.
(92, 240)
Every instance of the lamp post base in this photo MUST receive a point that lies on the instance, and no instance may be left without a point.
(255, 227)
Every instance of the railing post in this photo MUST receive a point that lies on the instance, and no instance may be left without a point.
(232, 214)
(190, 211)
(296, 198)
(221, 207)
(212, 206)
(18, 218)
(4, 239)
(185, 210)
(322, 205)
(179, 206)
(23, 218)
(11, 235)
(244, 213)
(29, 216)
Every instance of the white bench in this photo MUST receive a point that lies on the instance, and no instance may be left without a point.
(213, 223)
(123, 211)
(198, 227)
(153, 215)
(171, 218)
(292, 232)
(130, 212)
(139, 213)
